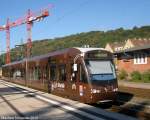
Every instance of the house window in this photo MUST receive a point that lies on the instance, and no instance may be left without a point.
(140, 58)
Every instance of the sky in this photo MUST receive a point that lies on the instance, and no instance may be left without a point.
(72, 16)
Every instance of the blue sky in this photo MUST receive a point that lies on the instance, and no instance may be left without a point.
(73, 16)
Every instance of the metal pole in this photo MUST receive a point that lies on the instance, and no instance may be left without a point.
(26, 72)
(29, 44)
(7, 42)
(29, 40)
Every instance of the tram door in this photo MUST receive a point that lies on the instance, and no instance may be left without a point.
(52, 76)
(78, 83)
(83, 85)
(48, 79)
(72, 83)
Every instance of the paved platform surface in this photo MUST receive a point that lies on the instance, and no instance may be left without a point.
(18, 102)
(134, 84)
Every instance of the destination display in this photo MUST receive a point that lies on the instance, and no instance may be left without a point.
(97, 54)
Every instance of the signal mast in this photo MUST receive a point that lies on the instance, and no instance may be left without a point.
(28, 19)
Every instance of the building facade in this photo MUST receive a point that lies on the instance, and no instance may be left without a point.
(134, 59)
(133, 56)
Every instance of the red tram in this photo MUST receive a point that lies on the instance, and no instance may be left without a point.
(83, 74)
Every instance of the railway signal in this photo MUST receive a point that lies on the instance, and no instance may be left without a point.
(28, 19)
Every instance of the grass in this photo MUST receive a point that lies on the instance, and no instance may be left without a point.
(135, 76)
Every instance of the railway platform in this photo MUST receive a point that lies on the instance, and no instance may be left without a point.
(19, 101)
(134, 84)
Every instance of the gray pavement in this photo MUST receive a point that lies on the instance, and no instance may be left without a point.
(18, 102)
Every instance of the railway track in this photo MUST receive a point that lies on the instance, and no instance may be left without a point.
(133, 107)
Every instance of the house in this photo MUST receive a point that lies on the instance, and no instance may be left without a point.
(114, 47)
(130, 43)
(135, 56)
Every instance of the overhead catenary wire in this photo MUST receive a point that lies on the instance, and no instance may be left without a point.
(72, 11)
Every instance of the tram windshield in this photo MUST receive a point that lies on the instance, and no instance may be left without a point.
(101, 70)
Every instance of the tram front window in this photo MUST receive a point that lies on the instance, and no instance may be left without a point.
(101, 70)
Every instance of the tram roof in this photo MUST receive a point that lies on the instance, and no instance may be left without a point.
(88, 49)
(83, 50)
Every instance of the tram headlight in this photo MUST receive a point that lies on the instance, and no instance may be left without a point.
(115, 89)
(95, 91)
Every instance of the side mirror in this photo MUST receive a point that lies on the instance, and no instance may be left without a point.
(75, 68)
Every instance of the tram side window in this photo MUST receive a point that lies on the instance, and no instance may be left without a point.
(23, 72)
(47, 72)
(82, 75)
(40, 73)
(44, 73)
(36, 73)
(53, 74)
(62, 72)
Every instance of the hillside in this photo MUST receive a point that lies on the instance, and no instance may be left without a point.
(92, 38)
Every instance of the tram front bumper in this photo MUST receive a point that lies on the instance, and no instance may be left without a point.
(103, 97)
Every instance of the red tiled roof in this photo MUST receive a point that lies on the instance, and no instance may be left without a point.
(140, 42)
(135, 49)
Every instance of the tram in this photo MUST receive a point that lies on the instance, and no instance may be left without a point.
(83, 74)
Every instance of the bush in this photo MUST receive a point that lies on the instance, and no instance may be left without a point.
(146, 76)
(123, 75)
(136, 76)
